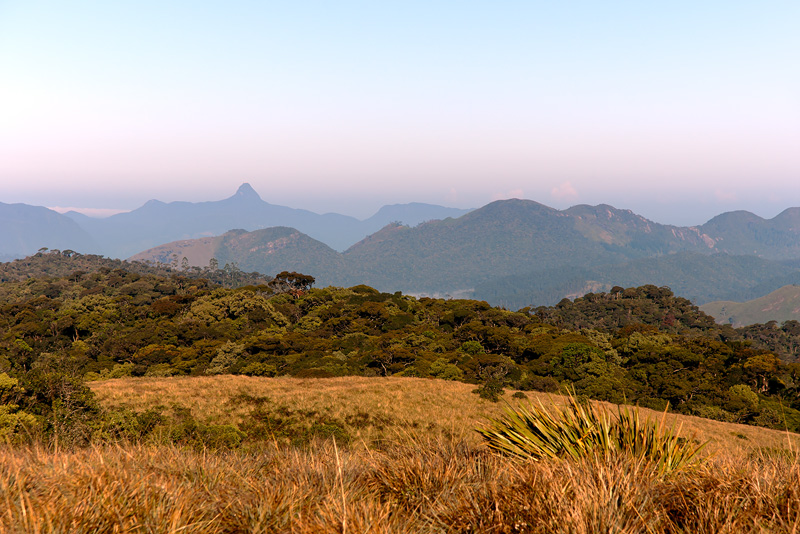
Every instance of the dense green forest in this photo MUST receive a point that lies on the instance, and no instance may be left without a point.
(67, 318)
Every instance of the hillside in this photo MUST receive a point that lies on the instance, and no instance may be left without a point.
(370, 455)
(641, 345)
(781, 305)
(190, 406)
(393, 405)
(271, 250)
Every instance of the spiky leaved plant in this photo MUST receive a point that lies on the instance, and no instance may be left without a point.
(584, 430)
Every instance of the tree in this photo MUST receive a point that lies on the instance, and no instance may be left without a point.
(760, 368)
(294, 283)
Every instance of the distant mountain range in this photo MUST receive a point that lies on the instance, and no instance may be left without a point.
(519, 253)
(513, 253)
(155, 223)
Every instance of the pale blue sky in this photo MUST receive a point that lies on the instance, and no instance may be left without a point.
(677, 110)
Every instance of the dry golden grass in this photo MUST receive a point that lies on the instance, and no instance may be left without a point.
(428, 473)
(423, 487)
(406, 406)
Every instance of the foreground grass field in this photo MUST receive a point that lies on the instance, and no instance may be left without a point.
(407, 460)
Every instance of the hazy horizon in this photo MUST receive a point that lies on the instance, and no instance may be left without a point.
(677, 112)
(367, 212)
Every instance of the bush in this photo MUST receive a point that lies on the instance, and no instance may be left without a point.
(67, 407)
(583, 430)
(259, 369)
(546, 384)
(491, 390)
(219, 436)
(442, 368)
(15, 425)
(123, 424)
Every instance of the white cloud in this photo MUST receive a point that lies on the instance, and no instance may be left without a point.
(564, 191)
(452, 196)
(725, 196)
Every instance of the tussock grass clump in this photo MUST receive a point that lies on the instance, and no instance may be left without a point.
(584, 430)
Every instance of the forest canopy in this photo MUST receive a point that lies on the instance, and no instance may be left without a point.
(79, 319)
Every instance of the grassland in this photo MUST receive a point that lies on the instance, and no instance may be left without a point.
(386, 408)
(413, 463)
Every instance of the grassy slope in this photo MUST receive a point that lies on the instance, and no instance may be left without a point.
(396, 406)
(781, 305)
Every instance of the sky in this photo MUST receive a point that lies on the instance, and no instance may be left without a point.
(676, 110)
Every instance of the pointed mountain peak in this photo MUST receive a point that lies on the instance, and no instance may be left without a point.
(246, 191)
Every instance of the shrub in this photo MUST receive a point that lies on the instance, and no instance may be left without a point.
(442, 368)
(583, 430)
(716, 413)
(226, 356)
(259, 369)
(546, 384)
(742, 398)
(219, 436)
(491, 390)
(16, 425)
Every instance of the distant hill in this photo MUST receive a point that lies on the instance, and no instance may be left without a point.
(54, 264)
(25, 229)
(781, 305)
(741, 232)
(156, 223)
(267, 251)
(499, 239)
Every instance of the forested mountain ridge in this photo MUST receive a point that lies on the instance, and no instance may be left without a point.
(641, 345)
(157, 223)
(269, 250)
(497, 240)
(519, 253)
(624, 228)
